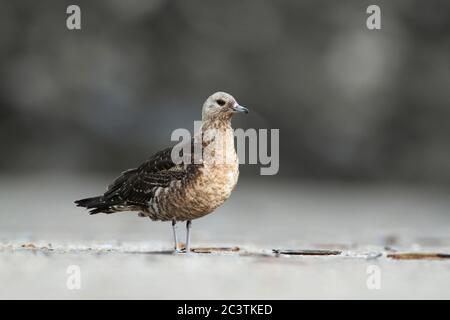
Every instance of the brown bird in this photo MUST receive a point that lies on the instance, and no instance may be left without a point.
(165, 189)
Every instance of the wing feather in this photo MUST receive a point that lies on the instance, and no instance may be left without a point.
(134, 188)
(137, 186)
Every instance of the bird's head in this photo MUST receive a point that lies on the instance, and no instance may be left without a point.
(221, 105)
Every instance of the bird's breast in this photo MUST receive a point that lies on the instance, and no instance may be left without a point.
(206, 186)
(219, 181)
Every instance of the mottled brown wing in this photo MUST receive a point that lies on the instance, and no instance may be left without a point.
(162, 160)
(134, 188)
(137, 186)
(140, 188)
(158, 162)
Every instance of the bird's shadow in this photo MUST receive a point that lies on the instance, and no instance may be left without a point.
(182, 251)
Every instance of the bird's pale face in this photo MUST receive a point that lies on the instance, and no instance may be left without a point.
(221, 105)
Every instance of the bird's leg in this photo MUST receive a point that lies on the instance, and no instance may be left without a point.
(188, 236)
(175, 238)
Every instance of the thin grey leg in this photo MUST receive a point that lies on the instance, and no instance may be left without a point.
(188, 236)
(174, 228)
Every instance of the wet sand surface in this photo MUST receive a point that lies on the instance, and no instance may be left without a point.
(269, 241)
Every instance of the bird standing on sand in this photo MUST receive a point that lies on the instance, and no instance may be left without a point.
(165, 190)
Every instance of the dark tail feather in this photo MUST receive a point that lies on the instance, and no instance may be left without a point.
(95, 204)
(89, 202)
(101, 209)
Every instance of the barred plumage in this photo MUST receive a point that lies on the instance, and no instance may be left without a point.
(163, 190)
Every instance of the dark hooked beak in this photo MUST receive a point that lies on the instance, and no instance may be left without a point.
(239, 108)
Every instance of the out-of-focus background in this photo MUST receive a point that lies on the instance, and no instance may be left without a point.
(363, 118)
(350, 103)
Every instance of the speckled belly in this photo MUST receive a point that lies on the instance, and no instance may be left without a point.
(195, 197)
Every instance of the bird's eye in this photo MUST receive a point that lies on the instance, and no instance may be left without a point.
(221, 102)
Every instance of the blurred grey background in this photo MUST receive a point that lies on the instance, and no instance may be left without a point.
(350, 103)
(364, 142)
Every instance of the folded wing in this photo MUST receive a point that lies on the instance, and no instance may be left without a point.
(134, 188)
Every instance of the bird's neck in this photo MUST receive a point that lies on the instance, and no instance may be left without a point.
(220, 123)
(218, 142)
